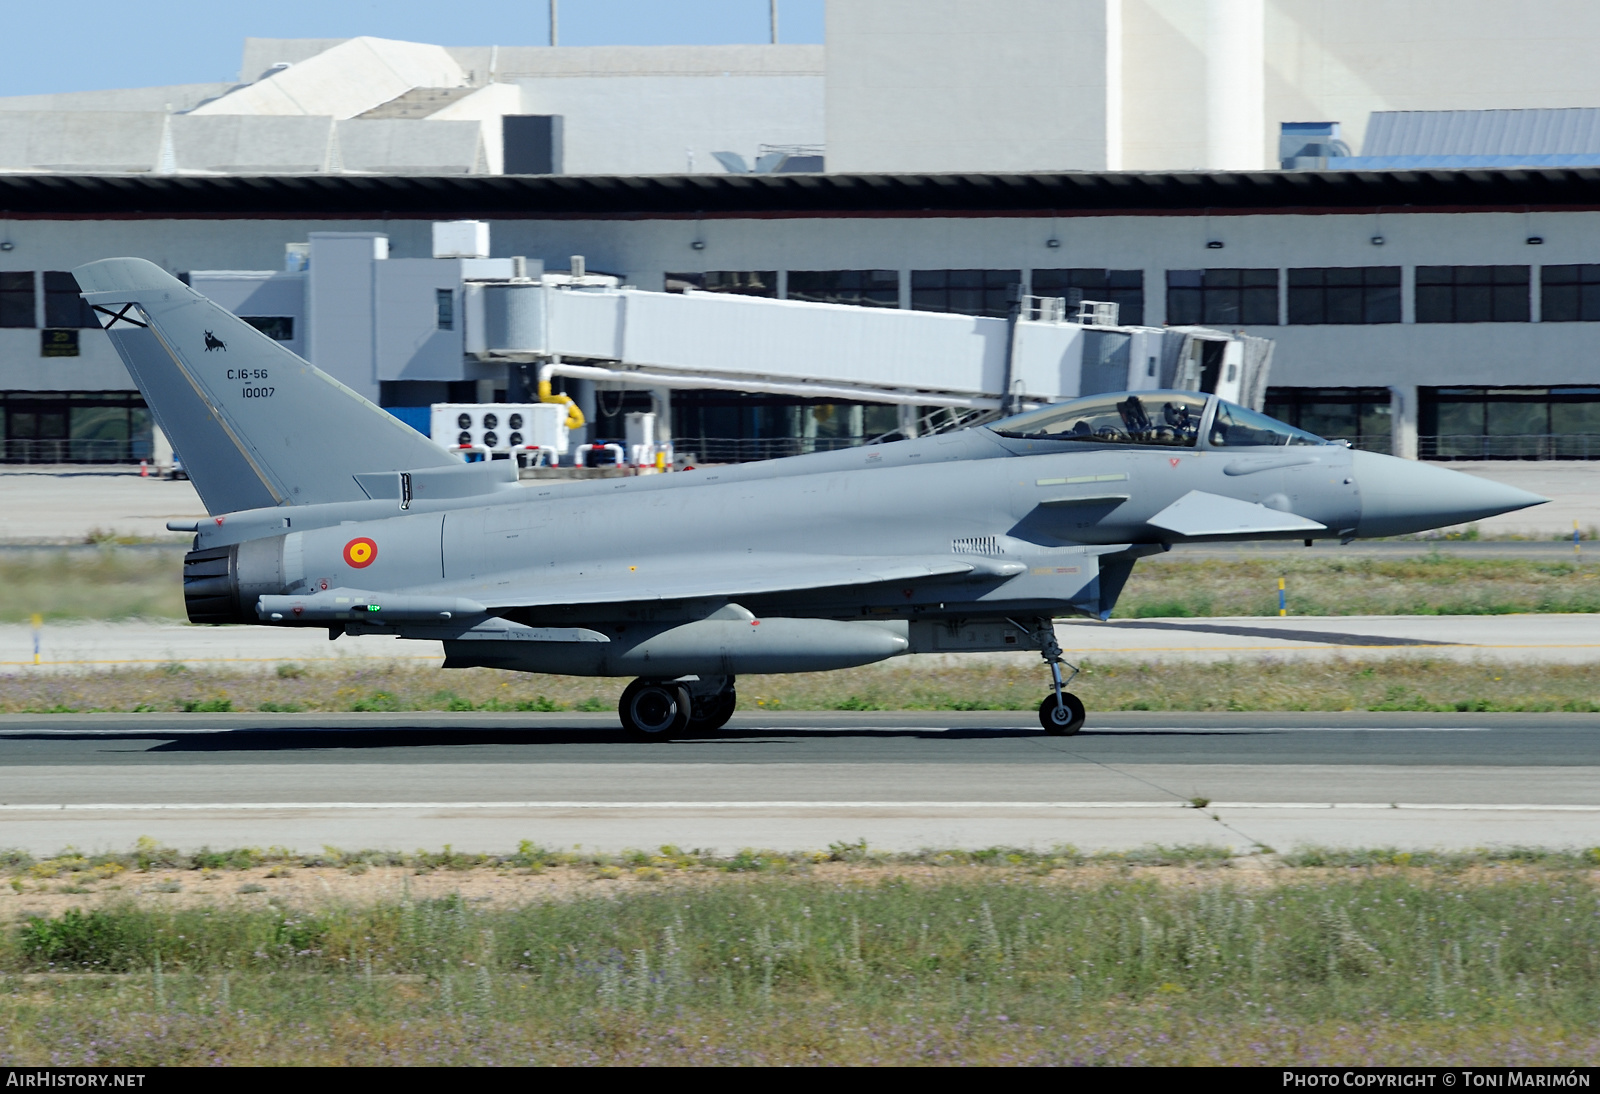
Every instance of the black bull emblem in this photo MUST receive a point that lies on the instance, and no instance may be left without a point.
(213, 342)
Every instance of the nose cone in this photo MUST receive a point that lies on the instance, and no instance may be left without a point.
(1403, 496)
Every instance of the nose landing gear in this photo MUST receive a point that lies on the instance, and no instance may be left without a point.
(1062, 713)
(658, 710)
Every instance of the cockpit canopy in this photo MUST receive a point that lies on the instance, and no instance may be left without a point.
(1170, 419)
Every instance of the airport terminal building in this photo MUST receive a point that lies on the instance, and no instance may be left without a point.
(1436, 295)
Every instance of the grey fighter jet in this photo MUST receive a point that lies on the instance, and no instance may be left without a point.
(326, 511)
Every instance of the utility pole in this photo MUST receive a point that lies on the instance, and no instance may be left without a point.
(772, 12)
(555, 24)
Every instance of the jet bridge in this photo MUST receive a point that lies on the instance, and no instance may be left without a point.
(699, 340)
(422, 326)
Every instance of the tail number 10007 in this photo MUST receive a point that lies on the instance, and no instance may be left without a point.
(248, 374)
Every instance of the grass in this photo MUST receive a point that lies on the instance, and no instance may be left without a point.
(121, 584)
(150, 857)
(1417, 683)
(1379, 684)
(105, 583)
(839, 957)
(1430, 583)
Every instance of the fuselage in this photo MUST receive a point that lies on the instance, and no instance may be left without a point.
(969, 529)
(1053, 507)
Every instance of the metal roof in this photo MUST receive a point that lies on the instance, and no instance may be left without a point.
(1482, 132)
(508, 197)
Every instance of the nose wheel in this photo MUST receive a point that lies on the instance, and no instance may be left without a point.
(1062, 717)
(1062, 713)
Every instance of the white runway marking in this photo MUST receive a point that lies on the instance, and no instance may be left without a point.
(257, 807)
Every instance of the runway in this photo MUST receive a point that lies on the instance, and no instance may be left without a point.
(903, 781)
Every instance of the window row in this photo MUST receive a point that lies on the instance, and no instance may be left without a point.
(1361, 295)
(73, 427)
(1211, 297)
(1454, 423)
(1474, 423)
(1360, 415)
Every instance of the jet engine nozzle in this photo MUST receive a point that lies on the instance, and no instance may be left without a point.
(222, 584)
(1403, 496)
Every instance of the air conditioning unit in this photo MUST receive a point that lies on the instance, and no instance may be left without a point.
(493, 428)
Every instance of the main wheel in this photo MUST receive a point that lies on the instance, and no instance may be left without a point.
(713, 714)
(654, 711)
(1063, 720)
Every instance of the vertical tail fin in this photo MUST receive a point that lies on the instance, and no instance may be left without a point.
(255, 425)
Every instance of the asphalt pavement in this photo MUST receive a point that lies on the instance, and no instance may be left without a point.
(801, 781)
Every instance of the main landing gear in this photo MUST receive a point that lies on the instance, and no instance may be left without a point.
(658, 710)
(1061, 713)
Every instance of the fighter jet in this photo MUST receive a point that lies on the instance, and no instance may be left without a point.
(326, 511)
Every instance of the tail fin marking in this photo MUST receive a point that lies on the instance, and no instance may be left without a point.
(255, 424)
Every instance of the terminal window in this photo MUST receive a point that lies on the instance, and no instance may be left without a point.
(1124, 288)
(63, 307)
(867, 288)
(16, 299)
(737, 282)
(965, 292)
(1222, 298)
(1569, 294)
(445, 309)
(1359, 294)
(1472, 294)
(1360, 415)
(1487, 423)
(73, 427)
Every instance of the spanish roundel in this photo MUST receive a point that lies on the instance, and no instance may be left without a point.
(360, 553)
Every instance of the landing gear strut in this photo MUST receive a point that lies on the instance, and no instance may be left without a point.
(658, 710)
(1062, 712)
(713, 699)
